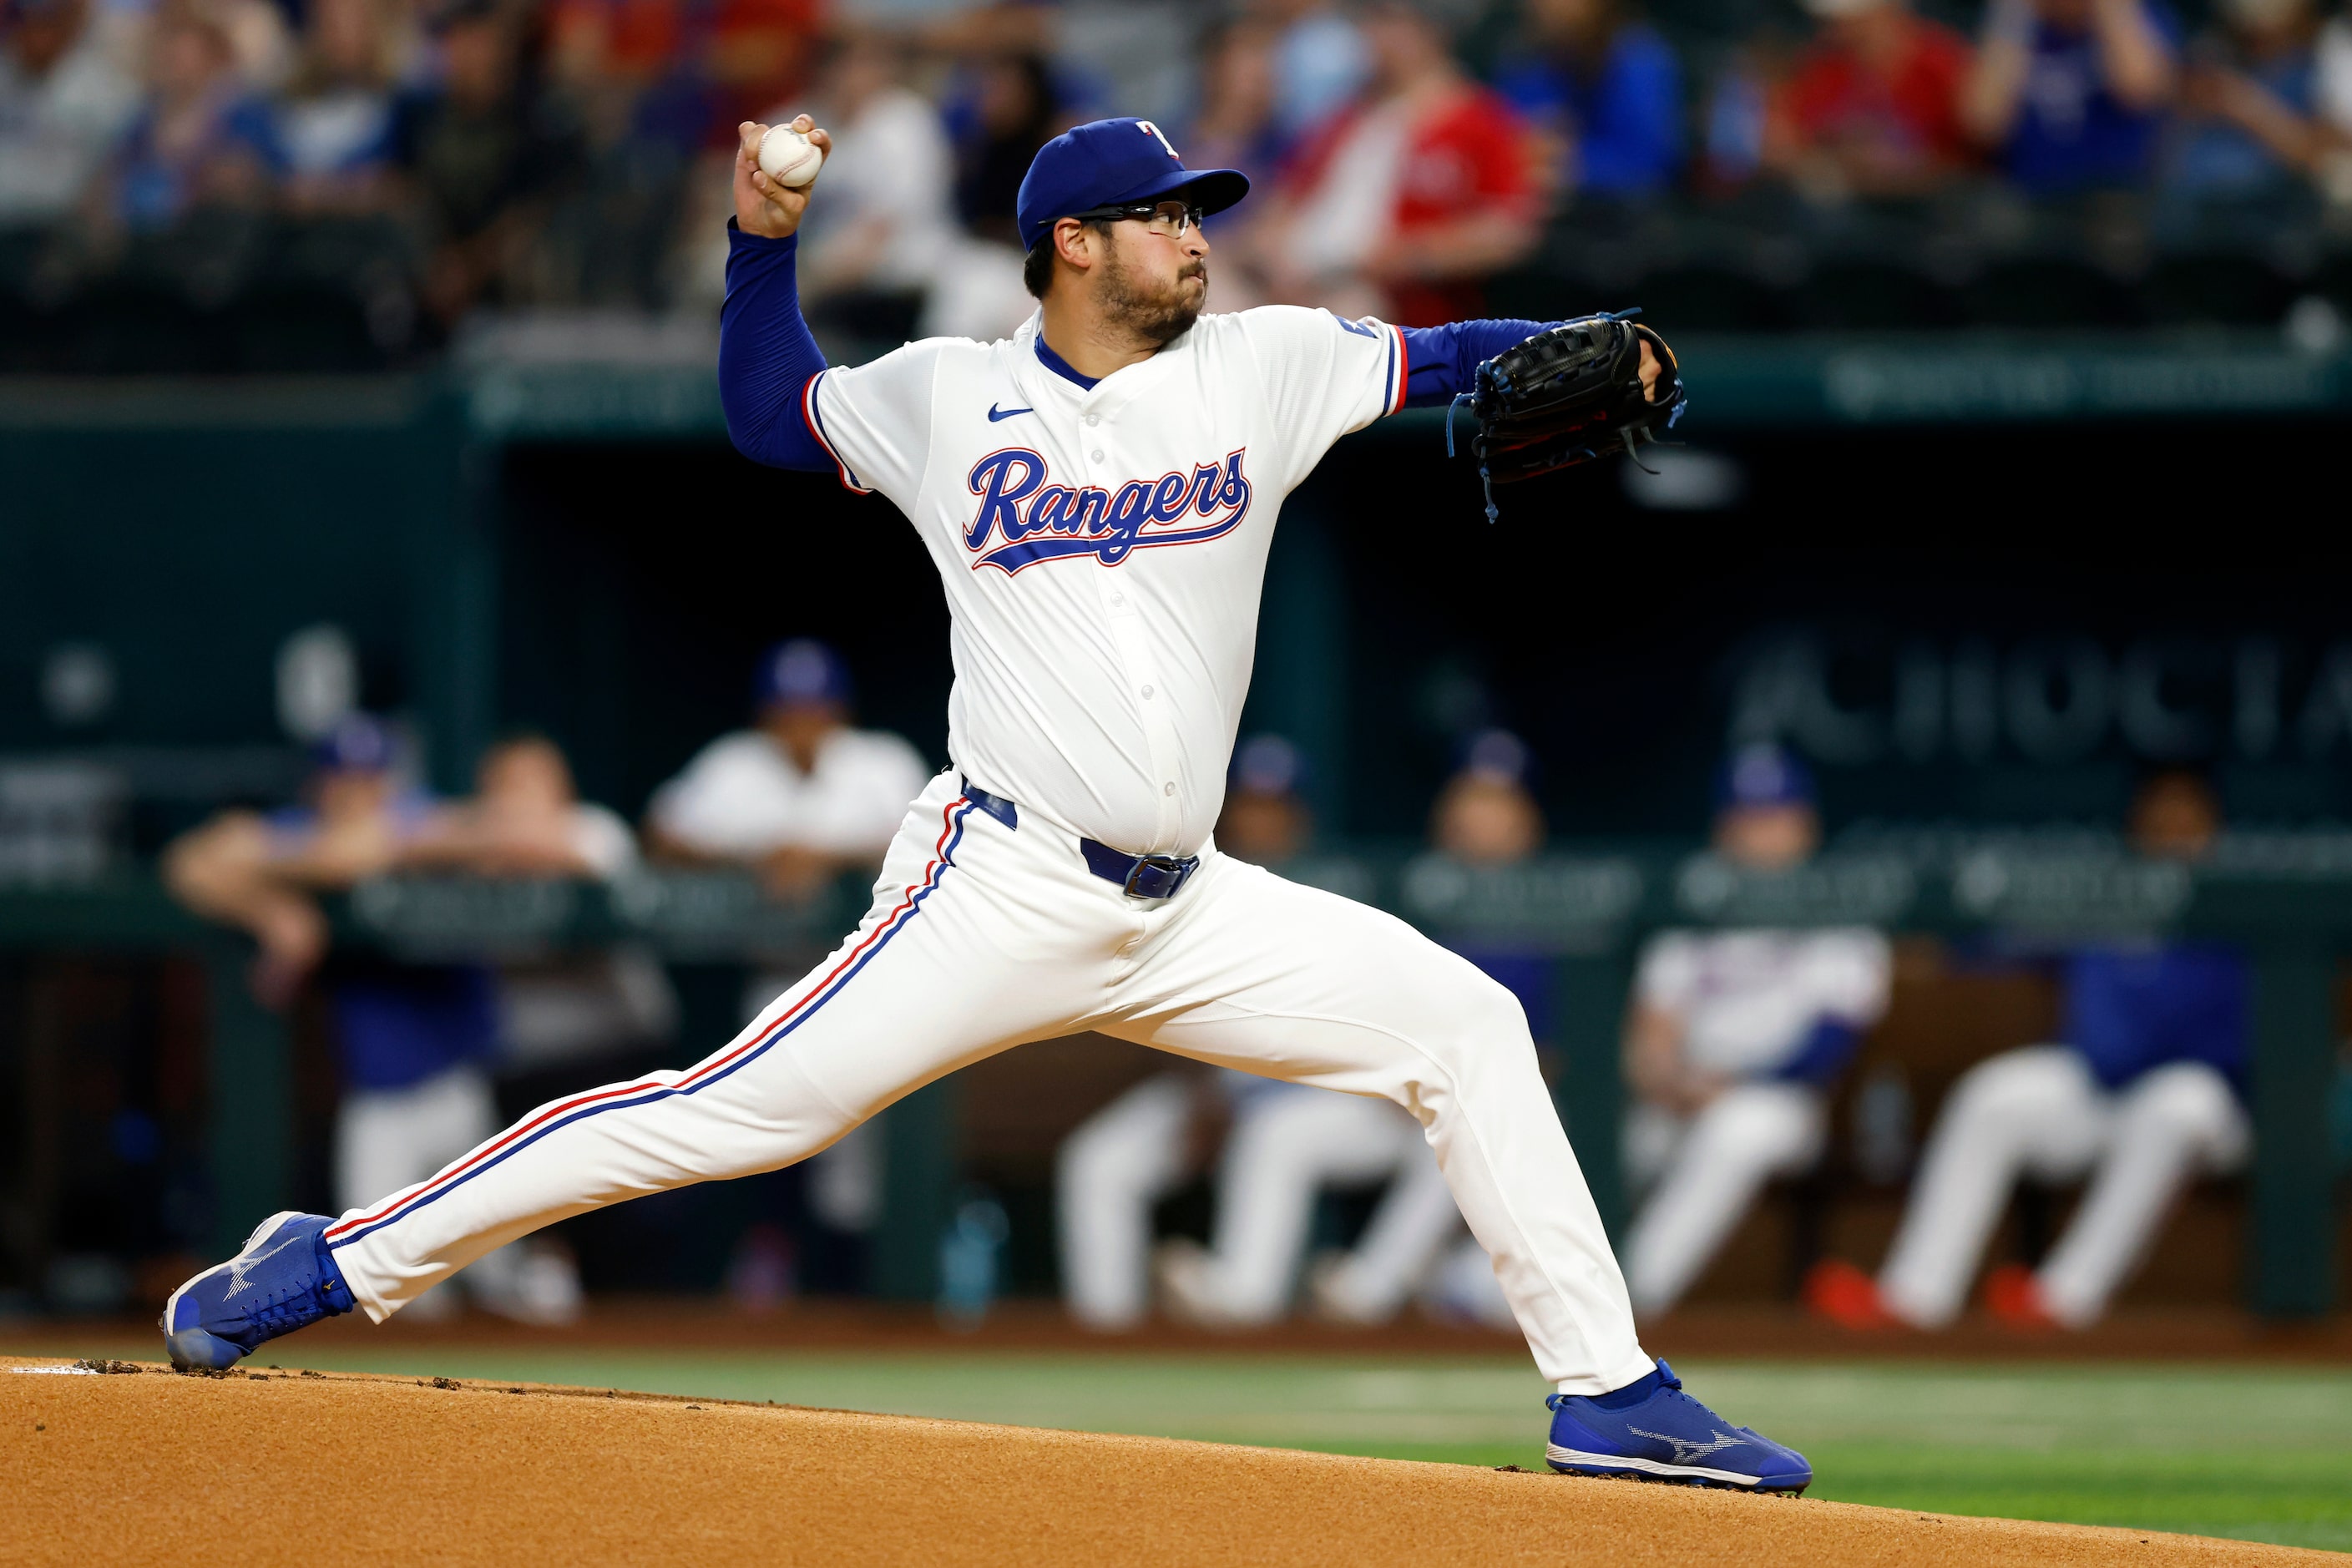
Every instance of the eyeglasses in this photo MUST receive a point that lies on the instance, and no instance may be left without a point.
(1170, 220)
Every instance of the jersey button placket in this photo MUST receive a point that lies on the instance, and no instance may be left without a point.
(1133, 641)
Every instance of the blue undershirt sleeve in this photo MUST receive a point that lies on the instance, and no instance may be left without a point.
(766, 356)
(1441, 361)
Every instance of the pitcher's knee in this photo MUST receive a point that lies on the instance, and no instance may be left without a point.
(1482, 1014)
(1485, 1046)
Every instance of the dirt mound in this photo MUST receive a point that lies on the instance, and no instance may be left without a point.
(127, 1463)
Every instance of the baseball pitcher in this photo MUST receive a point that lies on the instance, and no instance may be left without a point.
(1097, 493)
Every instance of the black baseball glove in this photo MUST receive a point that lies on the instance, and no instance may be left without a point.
(1566, 395)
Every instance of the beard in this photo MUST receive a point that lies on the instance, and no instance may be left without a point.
(1155, 315)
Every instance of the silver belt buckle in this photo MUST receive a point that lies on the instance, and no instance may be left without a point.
(1163, 863)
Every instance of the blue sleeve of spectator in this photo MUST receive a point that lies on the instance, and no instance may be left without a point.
(1441, 361)
(1824, 1054)
(766, 356)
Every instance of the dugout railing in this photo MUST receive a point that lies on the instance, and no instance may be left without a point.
(2286, 898)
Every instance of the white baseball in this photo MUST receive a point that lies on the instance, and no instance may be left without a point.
(788, 157)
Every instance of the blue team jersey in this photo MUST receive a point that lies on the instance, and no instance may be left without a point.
(2071, 132)
(397, 1025)
(1625, 119)
(2132, 1008)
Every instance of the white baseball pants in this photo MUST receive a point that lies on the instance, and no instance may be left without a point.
(982, 936)
(2040, 1113)
(1709, 1169)
(388, 1139)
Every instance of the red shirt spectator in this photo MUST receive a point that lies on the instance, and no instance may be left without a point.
(1874, 102)
(1421, 189)
(634, 41)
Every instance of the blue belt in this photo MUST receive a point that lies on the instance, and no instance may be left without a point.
(1138, 876)
(996, 806)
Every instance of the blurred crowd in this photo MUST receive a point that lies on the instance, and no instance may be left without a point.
(353, 177)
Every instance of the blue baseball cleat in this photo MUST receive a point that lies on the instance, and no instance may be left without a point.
(284, 1280)
(1652, 1431)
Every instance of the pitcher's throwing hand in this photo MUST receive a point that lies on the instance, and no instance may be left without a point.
(765, 206)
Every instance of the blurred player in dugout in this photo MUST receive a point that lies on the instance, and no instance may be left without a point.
(2140, 1096)
(1733, 1041)
(1285, 1144)
(1486, 819)
(801, 799)
(1280, 1141)
(415, 1043)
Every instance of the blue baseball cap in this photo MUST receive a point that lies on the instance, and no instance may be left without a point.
(1268, 764)
(803, 671)
(1763, 775)
(1109, 163)
(358, 743)
(1500, 755)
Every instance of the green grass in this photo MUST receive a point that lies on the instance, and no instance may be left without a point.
(2262, 1453)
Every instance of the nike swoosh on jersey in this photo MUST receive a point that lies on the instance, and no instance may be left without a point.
(995, 413)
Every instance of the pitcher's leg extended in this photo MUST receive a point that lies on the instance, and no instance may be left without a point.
(921, 988)
(1249, 971)
(926, 984)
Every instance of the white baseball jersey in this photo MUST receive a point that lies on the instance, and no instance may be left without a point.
(1748, 999)
(742, 795)
(1103, 549)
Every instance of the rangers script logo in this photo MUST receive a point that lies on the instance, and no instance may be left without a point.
(1028, 518)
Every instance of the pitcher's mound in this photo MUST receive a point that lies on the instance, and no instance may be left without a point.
(136, 1465)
